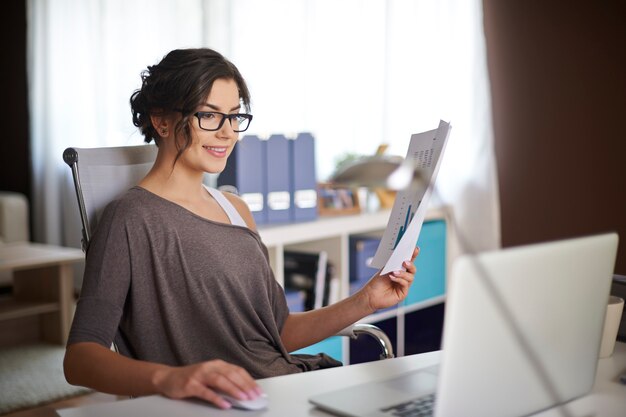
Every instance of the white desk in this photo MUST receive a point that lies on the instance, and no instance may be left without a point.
(289, 394)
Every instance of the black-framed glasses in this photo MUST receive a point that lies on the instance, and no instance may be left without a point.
(214, 120)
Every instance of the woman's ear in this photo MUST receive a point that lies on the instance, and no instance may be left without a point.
(161, 124)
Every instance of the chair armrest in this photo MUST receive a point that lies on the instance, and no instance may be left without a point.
(375, 332)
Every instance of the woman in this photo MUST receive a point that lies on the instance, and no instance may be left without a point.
(176, 273)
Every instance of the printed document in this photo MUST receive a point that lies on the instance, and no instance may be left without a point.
(409, 208)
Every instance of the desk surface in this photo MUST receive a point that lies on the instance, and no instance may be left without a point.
(289, 394)
(26, 255)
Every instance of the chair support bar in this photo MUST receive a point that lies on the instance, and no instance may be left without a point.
(70, 156)
(375, 332)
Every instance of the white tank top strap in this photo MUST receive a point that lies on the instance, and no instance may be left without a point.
(232, 213)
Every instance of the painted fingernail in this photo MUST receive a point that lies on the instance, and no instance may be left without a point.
(252, 394)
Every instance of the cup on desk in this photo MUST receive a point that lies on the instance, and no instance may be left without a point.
(611, 324)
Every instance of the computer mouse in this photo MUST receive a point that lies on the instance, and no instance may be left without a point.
(258, 403)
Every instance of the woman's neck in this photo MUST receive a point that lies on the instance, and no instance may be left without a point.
(173, 181)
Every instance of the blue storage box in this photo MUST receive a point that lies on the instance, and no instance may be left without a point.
(362, 249)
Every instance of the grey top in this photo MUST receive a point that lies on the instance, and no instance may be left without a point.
(175, 288)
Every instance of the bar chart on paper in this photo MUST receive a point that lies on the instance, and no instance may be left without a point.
(409, 208)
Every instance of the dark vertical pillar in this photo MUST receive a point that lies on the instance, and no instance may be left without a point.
(558, 78)
(15, 173)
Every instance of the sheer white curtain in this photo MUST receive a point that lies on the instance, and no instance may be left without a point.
(355, 73)
(84, 61)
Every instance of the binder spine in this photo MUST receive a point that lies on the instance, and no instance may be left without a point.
(278, 180)
(245, 171)
(302, 171)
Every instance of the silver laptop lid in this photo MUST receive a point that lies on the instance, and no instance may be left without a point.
(523, 327)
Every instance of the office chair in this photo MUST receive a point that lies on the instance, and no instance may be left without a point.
(102, 174)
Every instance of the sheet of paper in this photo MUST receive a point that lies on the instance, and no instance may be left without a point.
(409, 208)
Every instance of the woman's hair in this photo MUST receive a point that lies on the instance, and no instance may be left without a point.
(181, 83)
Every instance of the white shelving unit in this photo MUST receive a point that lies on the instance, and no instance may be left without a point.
(332, 234)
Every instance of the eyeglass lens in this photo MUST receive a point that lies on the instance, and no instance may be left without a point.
(214, 121)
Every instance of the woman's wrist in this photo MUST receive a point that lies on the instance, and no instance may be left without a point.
(158, 378)
(363, 300)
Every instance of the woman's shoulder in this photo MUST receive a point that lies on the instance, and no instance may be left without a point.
(242, 208)
(131, 199)
(136, 201)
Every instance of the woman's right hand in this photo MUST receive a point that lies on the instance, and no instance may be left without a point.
(207, 380)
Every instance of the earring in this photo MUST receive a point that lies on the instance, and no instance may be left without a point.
(163, 132)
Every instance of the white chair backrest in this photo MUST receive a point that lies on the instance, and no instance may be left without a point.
(102, 174)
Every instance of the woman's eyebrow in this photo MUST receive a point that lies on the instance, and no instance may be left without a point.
(217, 108)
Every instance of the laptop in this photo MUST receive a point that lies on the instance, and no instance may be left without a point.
(521, 334)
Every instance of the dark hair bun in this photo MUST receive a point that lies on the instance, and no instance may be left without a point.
(181, 82)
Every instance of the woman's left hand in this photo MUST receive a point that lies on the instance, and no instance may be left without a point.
(384, 291)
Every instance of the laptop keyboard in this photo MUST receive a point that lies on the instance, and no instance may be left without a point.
(420, 407)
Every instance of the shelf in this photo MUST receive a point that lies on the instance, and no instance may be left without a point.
(332, 235)
(11, 309)
(27, 255)
(323, 228)
(42, 284)
(402, 309)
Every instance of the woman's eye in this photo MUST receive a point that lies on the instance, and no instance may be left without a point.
(208, 116)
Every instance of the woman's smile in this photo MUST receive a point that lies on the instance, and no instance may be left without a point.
(216, 151)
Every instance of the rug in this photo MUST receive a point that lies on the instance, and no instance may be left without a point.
(32, 376)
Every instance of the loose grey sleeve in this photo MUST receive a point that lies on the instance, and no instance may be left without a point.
(105, 282)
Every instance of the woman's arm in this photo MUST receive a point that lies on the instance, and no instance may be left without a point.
(94, 366)
(304, 329)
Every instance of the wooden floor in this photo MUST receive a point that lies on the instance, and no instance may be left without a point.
(48, 410)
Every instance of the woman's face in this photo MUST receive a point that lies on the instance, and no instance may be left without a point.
(209, 150)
